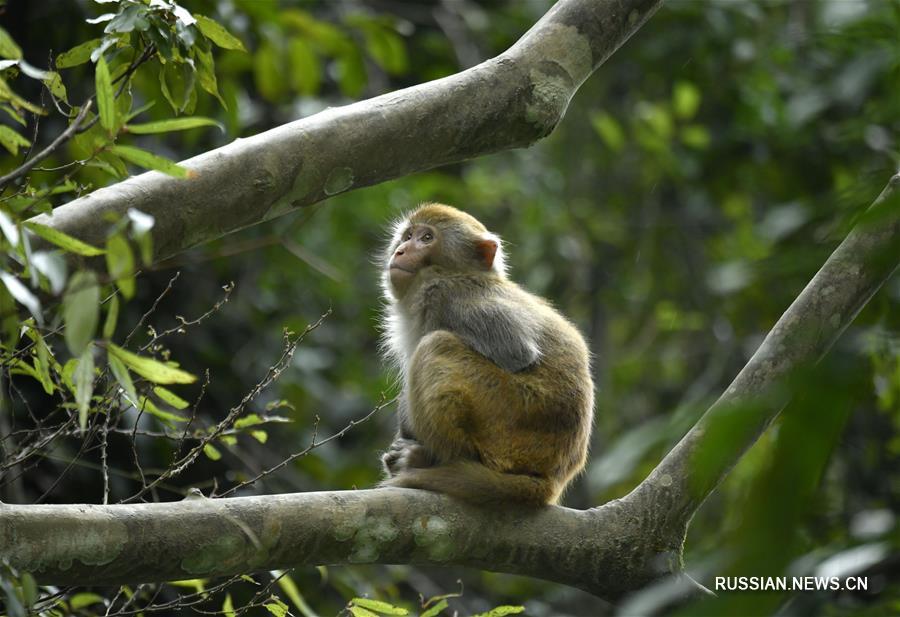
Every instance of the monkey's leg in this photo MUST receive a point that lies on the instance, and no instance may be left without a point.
(440, 405)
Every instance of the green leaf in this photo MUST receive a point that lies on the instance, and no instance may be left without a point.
(269, 71)
(80, 600)
(211, 452)
(55, 84)
(290, 589)
(358, 611)
(502, 611)
(77, 55)
(42, 361)
(175, 124)
(306, 70)
(120, 264)
(609, 130)
(696, 136)
(84, 385)
(9, 319)
(435, 610)
(176, 80)
(8, 47)
(63, 240)
(260, 436)
(351, 73)
(170, 398)
(120, 372)
(387, 49)
(228, 606)
(206, 73)
(216, 33)
(11, 140)
(685, 99)
(29, 589)
(112, 316)
(106, 98)
(81, 310)
(151, 369)
(378, 606)
(167, 417)
(148, 160)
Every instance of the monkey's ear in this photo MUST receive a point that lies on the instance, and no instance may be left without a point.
(487, 250)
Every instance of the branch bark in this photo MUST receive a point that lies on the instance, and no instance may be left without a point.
(609, 551)
(507, 102)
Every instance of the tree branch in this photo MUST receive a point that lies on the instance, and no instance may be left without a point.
(507, 102)
(609, 551)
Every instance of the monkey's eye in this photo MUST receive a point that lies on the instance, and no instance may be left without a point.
(407, 235)
(427, 237)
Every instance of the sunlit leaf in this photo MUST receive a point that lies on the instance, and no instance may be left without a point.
(81, 310)
(385, 608)
(211, 452)
(175, 124)
(8, 47)
(84, 385)
(228, 606)
(435, 610)
(77, 55)
(63, 240)
(167, 417)
(149, 160)
(150, 369)
(22, 295)
(170, 398)
(9, 229)
(81, 600)
(11, 140)
(216, 33)
(106, 98)
(502, 611)
(685, 99)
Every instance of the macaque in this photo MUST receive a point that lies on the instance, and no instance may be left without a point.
(497, 400)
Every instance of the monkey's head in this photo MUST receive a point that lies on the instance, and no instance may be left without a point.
(438, 235)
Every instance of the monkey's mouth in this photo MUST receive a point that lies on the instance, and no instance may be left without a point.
(400, 268)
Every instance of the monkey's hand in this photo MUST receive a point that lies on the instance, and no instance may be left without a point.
(405, 454)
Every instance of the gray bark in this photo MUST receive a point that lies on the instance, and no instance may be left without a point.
(509, 101)
(609, 551)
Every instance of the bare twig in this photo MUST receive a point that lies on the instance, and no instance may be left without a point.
(62, 138)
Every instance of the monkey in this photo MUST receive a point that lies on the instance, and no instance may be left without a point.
(497, 396)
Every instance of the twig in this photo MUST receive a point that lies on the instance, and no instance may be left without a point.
(62, 138)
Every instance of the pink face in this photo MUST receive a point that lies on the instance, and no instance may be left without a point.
(412, 254)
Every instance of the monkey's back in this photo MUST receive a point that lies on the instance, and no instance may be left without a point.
(534, 422)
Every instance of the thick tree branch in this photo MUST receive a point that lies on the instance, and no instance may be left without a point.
(507, 102)
(608, 551)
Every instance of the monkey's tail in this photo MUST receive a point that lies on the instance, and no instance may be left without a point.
(474, 483)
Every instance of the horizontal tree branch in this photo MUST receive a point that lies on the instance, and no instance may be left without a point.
(609, 551)
(507, 102)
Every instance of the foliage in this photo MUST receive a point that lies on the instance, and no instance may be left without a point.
(695, 185)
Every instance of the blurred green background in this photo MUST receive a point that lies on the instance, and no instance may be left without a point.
(696, 183)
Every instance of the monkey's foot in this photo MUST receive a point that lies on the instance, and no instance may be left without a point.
(405, 454)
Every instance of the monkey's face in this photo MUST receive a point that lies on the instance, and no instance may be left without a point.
(418, 244)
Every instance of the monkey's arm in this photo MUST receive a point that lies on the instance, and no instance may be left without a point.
(497, 332)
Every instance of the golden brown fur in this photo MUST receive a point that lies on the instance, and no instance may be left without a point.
(498, 397)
